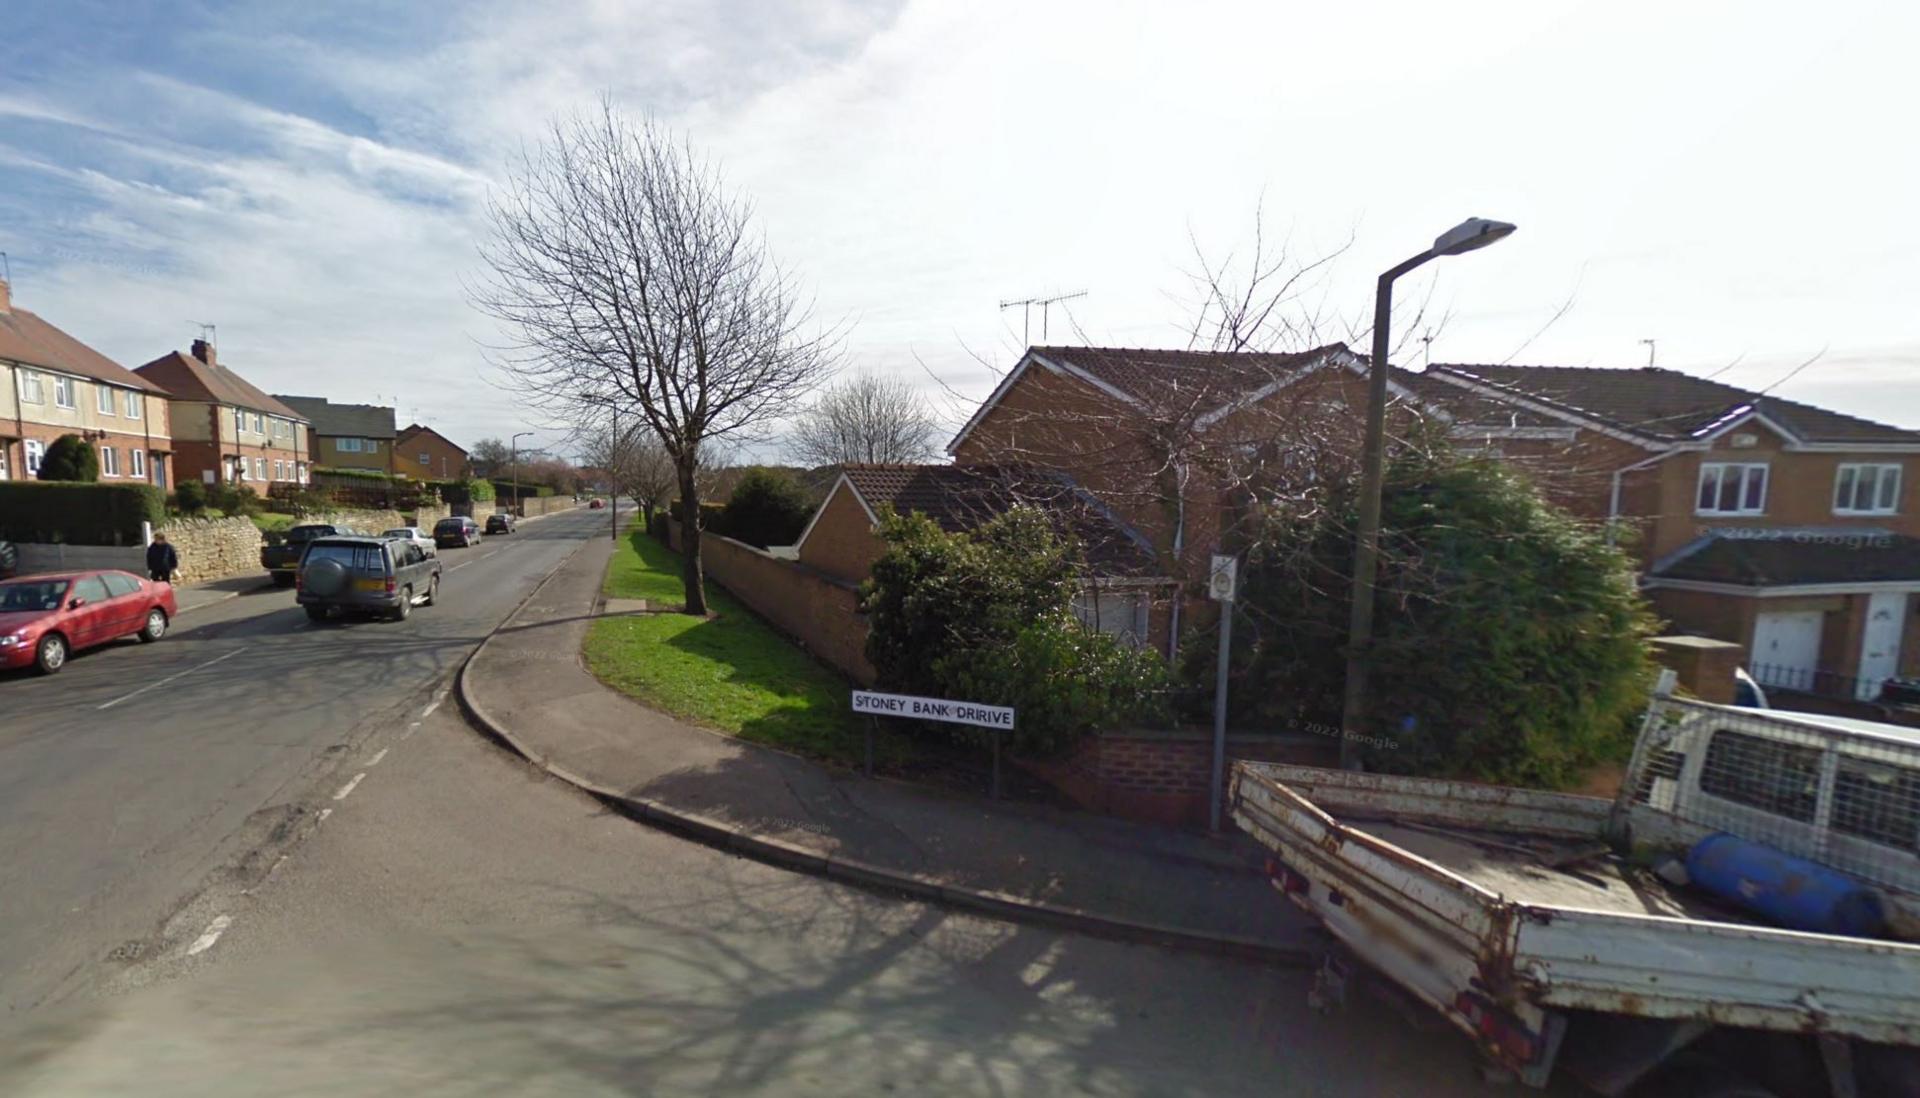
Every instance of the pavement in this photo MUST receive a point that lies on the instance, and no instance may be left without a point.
(526, 685)
(199, 596)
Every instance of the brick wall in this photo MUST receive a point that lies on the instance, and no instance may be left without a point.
(818, 610)
(1162, 777)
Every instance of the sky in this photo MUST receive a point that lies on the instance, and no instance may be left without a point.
(1737, 182)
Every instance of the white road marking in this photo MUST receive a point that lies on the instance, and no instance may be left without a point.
(459, 566)
(168, 679)
(205, 941)
(378, 755)
(411, 729)
(324, 813)
(348, 788)
(431, 706)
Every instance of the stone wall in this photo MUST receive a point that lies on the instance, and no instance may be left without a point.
(544, 505)
(371, 521)
(210, 548)
(427, 514)
(1162, 777)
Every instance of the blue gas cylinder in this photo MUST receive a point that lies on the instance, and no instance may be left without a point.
(1789, 891)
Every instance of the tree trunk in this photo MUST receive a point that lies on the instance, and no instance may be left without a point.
(692, 575)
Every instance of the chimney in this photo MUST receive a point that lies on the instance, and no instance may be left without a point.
(203, 351)
(6, 298)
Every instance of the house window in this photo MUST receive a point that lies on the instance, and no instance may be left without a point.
(104, 396)
(259, 468)
(1866, 490)
(139, 462)
(30, 387)
(425, 458)
(4, 475)
(300, 471)
(1730, 488)
(258, 426)
(35, 451)
(63, 391)
(134, 400)
(109, 462)
(347, 445)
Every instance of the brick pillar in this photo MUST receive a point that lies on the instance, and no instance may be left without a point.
(1705, 666)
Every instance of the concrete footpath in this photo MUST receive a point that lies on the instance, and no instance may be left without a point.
(527, 686)
(193, 596)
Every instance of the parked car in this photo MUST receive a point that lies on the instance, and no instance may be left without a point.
(500, 522)
(413, 534)
(46, 618)
(283, 559)
(383, 576)
(457, 532)
(596, 504)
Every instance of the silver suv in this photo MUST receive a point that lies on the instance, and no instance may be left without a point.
(382, 576)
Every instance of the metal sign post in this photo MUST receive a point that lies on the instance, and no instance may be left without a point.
(1221, 585)
(996, 718)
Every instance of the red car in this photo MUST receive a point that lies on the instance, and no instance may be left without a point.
(46, 618)
(596, 505)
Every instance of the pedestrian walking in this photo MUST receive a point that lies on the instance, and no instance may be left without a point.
(162, 560)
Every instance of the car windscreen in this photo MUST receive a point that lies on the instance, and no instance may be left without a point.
(357, 557)
(449, 526)
(401, 532)
(32, 595)
(308, 533)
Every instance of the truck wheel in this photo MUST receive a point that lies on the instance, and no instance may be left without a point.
(405, 608)
(316, 613)
(283, 579)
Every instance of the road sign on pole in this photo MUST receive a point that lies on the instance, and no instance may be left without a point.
(996, 718)
(1224, 579)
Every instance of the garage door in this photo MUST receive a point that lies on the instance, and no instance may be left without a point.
(1786, 648)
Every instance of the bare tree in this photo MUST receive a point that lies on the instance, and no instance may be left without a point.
(630, 277)
(490, 452)
(636, 464)
(865, 419)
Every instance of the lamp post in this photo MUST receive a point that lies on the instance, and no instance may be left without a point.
(1475, 232)
(513, 459)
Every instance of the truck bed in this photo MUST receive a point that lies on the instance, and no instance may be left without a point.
(1448, 888)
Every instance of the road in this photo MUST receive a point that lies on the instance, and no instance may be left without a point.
(122, 793)
(457, 923)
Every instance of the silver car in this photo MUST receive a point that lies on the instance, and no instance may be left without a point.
(415, 535)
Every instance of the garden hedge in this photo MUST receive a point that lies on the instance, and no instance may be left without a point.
(78, 514)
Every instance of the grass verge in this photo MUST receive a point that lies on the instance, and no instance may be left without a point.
(731, 672)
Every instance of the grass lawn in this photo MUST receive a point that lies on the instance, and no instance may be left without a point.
(269, 522)
(732, 671)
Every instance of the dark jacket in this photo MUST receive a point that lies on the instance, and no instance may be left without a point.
(162, 558)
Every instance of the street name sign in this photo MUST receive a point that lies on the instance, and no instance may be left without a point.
(933, 709)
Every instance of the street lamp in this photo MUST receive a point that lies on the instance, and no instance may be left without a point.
(513, 459)
(1473, 233)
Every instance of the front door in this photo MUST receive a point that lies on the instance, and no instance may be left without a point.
(1880, 642)
(1786, 648)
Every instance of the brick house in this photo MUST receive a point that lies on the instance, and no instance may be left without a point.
(840, 540)
(346, 436)
(226, 431)
(1787, 528)
(51, 384)
(425, 454)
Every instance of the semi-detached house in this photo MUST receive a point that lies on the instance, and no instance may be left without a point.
(226, 431)
(51, 384)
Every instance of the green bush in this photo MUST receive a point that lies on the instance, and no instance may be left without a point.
(1510, 641)
(768, 507)
(236, 499)
(462, 491)
(190, 496)
(987, 617)
(76, 513)
(71, 459)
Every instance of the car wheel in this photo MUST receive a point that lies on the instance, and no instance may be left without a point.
(433, 591)
(405, 608)
(156, 626)
(50, 655)
(283, 579)
(317, 613)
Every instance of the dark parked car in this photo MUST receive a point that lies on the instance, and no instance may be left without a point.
(45, 618)
(456, 533)
(383, 576)
(283, 560)
(500, 522)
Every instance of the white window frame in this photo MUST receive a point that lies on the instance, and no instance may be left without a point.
(30, 390)
(1717, 473)
(103, 399)
(62, 391)
(259, 468)
(134, 401)
(109, 461)
(36, 453)
(6, 468)
(139, 463)
(1885, 488)
(300, 471)
(347, 445)
(259, 425)
(426, 458)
